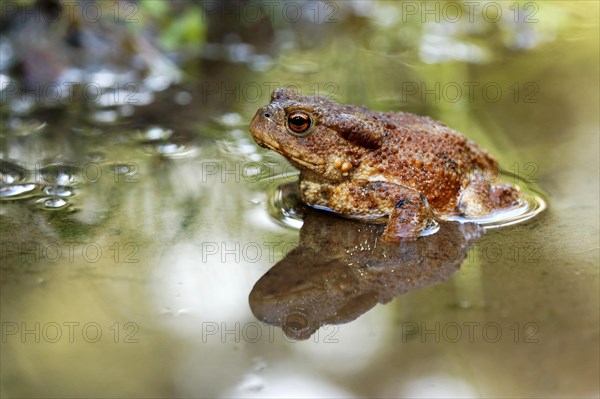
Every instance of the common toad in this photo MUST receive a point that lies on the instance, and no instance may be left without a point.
(396, 168)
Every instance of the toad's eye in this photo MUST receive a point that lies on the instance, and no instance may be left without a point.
(299, 122)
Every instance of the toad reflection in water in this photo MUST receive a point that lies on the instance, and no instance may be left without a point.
(342, 268)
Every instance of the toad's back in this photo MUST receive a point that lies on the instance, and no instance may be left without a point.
(426, 155)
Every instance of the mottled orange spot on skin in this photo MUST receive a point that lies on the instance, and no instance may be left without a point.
(346, 166)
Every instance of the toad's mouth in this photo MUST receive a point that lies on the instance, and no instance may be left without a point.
(292, 157)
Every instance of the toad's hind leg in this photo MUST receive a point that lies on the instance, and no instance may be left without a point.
(480, 197)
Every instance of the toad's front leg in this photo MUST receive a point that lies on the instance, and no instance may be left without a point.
(408, 213)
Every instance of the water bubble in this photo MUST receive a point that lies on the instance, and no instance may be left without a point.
(105, 116)
(108, 99)
(6, 55)
(123, 169)
(252, 383)
(252, 170)
(239, 52)
(140, 97)
(59, 191)
(255, 157)
(258, 364)
(175, 150)
(59, 173)
(183, 98)
(465, 304)
(71, 75)
(53, 203)
(96, 156)
(231, 119)
(441, 43)
(11, 172)
(244, 146)
(300, 67)
(157, 133)
(103, 77)
(261, 62)
(127, 110)
(5, 80)
(171, 150)
(157, 82)
(17, 191)
(22, 105)
(175, 313)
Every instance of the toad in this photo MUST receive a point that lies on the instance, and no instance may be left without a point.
(397, 168)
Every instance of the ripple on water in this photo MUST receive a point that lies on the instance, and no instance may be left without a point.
(530, 204)
(285, 206)
(283, 202)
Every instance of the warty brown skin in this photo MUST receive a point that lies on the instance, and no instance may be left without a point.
(392, 167)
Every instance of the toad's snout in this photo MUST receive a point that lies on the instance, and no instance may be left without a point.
(261, 126)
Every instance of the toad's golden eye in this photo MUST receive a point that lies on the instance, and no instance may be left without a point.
(299, 122)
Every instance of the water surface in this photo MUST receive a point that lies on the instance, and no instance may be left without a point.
(133, 234)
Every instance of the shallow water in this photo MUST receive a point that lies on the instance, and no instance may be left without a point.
(133, 235)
